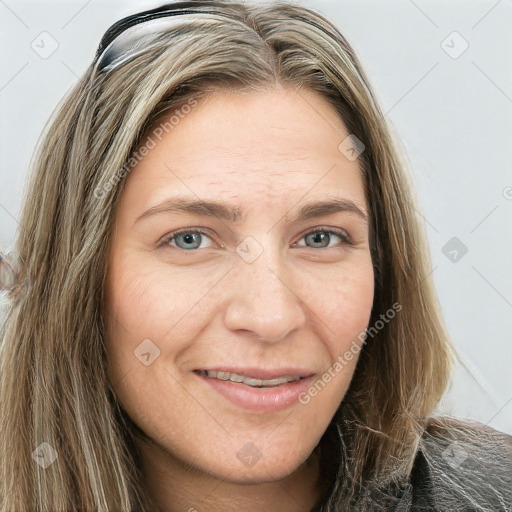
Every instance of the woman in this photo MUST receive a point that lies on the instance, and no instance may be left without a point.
(293, 358)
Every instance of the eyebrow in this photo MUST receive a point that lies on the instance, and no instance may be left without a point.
(232, 213)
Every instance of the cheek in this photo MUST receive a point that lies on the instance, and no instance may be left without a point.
(342, 314)
(136, 310)
(150, 301)
(148, 298)
(344, 306)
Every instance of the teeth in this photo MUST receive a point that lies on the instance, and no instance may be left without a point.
(235, 377)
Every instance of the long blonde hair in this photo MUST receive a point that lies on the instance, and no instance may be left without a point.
(54, 386)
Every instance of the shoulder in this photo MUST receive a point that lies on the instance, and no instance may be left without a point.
(463, 465)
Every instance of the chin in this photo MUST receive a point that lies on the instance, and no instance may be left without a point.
(251, 466)
(261, 473)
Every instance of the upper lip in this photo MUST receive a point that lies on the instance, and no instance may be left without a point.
(261, 373)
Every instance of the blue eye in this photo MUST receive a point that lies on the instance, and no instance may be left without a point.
(187, 238)
(321, 237)
(190, 239)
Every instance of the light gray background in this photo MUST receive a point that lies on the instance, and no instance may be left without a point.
(454, 116)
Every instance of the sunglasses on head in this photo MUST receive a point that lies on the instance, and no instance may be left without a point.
(127, 37)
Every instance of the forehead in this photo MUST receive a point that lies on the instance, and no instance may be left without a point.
(269, 144)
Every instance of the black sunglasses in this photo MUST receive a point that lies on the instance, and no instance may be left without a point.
(127, 34)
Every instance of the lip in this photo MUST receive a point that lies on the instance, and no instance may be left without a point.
(261, 373)
(266, 399)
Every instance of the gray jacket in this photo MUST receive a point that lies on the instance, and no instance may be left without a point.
(463, 467)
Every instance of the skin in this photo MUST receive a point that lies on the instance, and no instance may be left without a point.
(296, 304)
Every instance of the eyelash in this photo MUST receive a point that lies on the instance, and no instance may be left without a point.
(340, 233)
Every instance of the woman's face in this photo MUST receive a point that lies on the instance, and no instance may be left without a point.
(256, 293)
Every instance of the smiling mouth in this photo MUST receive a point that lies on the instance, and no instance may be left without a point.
(248, 381)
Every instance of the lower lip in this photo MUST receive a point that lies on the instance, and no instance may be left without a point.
(268, 399)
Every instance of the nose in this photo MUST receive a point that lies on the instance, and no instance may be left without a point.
(264, 302)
